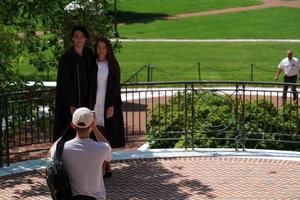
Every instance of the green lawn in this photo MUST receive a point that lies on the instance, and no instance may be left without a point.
(218, 61)
(32, 74)
(140, 9)
(265, 23)
(178, 61)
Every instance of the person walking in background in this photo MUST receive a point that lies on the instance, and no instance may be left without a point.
(290, 67)
(83, 157)
(72, 85)
(106, 95)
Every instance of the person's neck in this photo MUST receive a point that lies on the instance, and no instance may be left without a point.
(101, 59)
(78, 50)
(83, 135)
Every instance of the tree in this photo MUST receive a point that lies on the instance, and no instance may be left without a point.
(40, 30)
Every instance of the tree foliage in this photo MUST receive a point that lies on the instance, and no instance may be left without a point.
(40, 30)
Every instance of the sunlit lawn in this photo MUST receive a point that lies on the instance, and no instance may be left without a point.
(140, 9)
(218, 61)
(178, 61)
(265, 23)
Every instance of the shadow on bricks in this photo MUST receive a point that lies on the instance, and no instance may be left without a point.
(150, 179)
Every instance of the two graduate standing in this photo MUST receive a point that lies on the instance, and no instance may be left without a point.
(81, 83)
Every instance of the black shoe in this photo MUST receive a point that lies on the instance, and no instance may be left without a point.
(107, 174)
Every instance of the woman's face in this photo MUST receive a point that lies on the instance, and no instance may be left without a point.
(101, 51)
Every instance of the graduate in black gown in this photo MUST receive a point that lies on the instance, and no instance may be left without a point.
(73, 81)
(112, 123)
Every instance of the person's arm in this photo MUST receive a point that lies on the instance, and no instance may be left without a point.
(52, 149)
(72, 109)
(277, 74)
(116, 92)
(98, 134)
(110, 112)
(64, 83)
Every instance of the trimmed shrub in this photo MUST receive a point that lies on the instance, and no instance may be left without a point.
(212, 120)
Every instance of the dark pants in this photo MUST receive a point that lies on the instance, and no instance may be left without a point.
(290, 79)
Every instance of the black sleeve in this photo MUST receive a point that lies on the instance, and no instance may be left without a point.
(116, 90)
(65, 86)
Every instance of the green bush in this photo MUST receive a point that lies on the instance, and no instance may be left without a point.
(212, 120)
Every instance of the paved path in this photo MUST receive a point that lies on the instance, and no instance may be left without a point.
(211, 40)
(182, 174)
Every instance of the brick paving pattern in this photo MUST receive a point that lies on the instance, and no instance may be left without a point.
(180, 178)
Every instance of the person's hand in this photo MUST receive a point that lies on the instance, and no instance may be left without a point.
(94, 125)
(110, 112)
(72, 109)
(276, 77)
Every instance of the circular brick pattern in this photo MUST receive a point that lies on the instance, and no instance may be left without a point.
(205, 178)
(180, 178)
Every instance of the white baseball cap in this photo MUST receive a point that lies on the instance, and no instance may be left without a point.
(83, 117)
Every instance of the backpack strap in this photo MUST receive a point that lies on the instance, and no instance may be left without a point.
(59, 149)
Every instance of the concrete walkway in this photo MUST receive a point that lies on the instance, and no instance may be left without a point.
(211, 40)
(143, 153)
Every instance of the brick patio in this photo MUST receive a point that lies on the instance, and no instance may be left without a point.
(180, 178)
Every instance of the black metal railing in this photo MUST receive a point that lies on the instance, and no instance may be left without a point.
(136, 77)
(187, 114)
(199, 71)
(26, 119)
(172, 111)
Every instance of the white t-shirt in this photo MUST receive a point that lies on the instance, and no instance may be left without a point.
(83, 160)
(289, 67)
(102, 76)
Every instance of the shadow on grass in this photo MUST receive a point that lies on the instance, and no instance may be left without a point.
(149, 179)
(128, 17)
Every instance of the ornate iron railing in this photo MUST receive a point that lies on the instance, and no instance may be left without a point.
(168, 112)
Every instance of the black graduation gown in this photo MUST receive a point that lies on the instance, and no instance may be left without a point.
(71, 90)
(114, 126)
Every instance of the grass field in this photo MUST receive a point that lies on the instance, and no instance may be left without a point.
(178, 61)
(140, 9)
(265, 23)
(218, 61)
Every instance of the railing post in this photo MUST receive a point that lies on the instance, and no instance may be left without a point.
(5, 138)
(243, 120)
(193, 115)
(251, 72)
(199, 71)
(236, 117)
(185, 116)
(149, 75)
(1, 133)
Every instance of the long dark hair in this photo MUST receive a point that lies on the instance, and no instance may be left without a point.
(113, 64)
